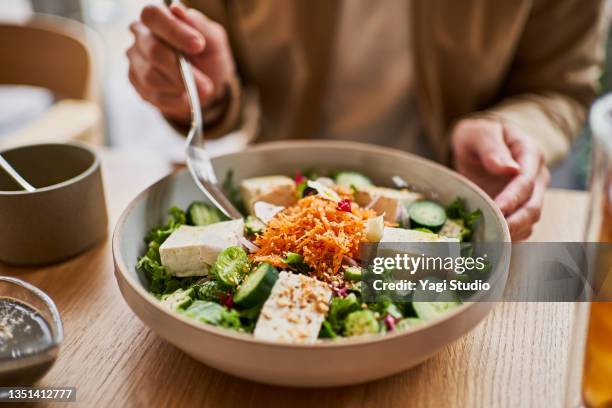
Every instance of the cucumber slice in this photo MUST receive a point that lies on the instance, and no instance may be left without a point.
(200, 214)
(433, 310)
(295, 261)
(361, 322)
(431, 305)
(427, 214)
(350, 179)
(256, 286)
(408, 322)
(231, 266)
(292, 258)
(352, 273)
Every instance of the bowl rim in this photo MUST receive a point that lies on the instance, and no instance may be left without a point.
(121, 268)
(95, 164)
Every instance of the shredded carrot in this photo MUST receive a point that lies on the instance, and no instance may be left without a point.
(316, 229)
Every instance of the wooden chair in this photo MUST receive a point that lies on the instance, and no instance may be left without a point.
(53, 53)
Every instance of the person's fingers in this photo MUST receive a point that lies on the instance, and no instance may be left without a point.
(483, 141)
(522, 235)
(150, 77)
(521, 222)
(150, 82)
(172, 30)
(205, 86)
(169, 100)
(493, 151)
(515, 194)
(521, 187)
(174, 106)
(134, 71)
(214, 34)
(216, 60)
(156, 52)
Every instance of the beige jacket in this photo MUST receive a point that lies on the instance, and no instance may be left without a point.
(533, 63)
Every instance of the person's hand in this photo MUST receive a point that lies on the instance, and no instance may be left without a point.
(154, 71)
(508, 165)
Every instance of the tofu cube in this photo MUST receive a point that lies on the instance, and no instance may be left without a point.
(189, 251)
(295, 310)
(389, 200)
(277, 190)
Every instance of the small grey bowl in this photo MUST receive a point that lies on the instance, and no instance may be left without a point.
(64, 216)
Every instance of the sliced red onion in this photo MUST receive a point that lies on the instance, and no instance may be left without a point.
(373, 202)
(403, 216)
(249, 245)
(324, 191)
(390, 322)
(350, 260)
(266, 211)
(326, 181)
(340, 291)
(399, 182)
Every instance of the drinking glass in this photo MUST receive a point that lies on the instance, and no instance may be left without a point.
(592, 355)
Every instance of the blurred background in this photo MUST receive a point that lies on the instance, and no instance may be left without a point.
(82, 89)
(126, 121)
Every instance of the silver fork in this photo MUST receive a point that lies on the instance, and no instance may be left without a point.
(198, 161)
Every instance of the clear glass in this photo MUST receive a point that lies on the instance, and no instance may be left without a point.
(590, 374)
(26, 369)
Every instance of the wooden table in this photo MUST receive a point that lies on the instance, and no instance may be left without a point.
(517, 356)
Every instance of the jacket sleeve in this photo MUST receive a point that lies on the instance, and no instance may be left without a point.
(235, 116)
(555, 73)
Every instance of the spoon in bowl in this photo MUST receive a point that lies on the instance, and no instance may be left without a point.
(16, 176)
(198, 161)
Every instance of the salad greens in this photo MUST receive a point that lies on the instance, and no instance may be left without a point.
(213, 313)
(236, 288)
(457, 212)
(296, 262)
(211, 290)
(161, 282)
(253, 225)
(339, 309)
(179, 299)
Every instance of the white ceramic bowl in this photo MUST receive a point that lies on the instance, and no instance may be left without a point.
(328, 363)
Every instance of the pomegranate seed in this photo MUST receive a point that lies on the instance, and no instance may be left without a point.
(299, 177)
(227, 300)
(344, 205)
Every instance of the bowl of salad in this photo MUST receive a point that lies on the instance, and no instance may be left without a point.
(276, 296)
